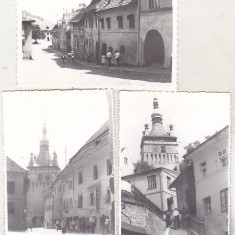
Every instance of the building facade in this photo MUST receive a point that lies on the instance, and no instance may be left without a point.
(118, 29)
(156, 32)
(42, 171)
(159, 148)
(210, 167)
(154, 184)
(127, 166)
(55, 37)
(78, 34)
(16, 195)
(84, 187)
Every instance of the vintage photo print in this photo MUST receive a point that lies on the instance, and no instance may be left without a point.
(174, 159)
(59, 162)
(101, 43)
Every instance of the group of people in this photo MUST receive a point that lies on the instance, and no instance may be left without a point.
(109, 56)
(177, 219)
(84, 225)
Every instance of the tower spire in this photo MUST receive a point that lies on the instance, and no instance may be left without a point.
(44, 158)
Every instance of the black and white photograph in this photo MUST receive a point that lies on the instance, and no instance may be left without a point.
(101, 43)
(174, 160)
(59, 162)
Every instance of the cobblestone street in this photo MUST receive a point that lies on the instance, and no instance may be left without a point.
(47, 68)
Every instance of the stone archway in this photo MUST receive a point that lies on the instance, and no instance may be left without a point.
(154, 50)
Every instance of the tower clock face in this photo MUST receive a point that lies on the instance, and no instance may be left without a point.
(155, 148)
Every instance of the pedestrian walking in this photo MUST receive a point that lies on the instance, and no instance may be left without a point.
(176, 219)
(72, 58)
(168, 219)
(107, 222)
(103, 60)
(92, 224)
(73, 225)
(109, 58)
(63, 58)
(117, 57)
(63, 227)
(102, 224)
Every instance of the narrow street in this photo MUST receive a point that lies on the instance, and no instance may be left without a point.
(47, 68)
(43, 231)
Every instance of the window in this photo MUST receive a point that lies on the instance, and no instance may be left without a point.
(168, 181)
(95, 172)
(131, 19)
(108, 21)
(125, 160)
(39, 177)
(92, 201)
(77, 46)
(10, 187)
(80, 201)
(207, 205)
(120, 22)
(109, 167)
(223, 157)
(70, 183)
(108, 197)
(152, 181)
(10, 207)
(122, 49)
(102, 23)
(163, 149)
(203, 169)
(224, 200)
(80, 178)
(154, 4)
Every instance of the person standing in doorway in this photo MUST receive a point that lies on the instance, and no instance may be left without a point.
(103, 60)
(109, 58)
(117, 57)
(63, 227)
(176, 219)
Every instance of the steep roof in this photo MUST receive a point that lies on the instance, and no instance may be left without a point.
(171, 172)
(108, 4)
(78, 16)
(226, 128)
(13, 166)
(100, 138)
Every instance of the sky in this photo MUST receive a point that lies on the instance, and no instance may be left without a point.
(71, 117)
(193, 115)
(50, 9)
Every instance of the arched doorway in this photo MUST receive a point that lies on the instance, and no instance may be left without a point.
(154, 51)
(104, 49)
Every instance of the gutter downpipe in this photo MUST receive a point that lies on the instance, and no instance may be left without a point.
(138, 35)
(161, 189)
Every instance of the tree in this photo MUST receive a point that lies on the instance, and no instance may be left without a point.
(36, 33)
(189, 148)
(196, 143)
(141, 167)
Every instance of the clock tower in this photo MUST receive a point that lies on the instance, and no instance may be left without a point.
(159, 148)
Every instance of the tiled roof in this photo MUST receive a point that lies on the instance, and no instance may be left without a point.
(12, 166)
(78, 16)
(26, 16)
(99, 139)
(226, 128)
(108, 4)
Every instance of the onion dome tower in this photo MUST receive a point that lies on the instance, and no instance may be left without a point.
(159, 147)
